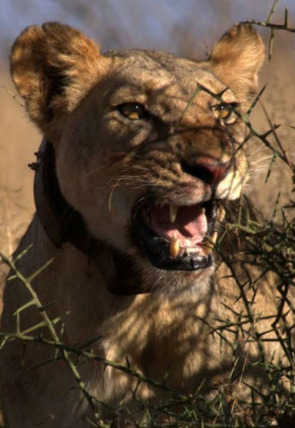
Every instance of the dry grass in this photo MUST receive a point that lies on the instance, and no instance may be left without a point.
(18, 141)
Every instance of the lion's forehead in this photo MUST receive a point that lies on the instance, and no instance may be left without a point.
(160, 73)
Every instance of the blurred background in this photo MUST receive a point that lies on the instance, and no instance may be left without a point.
(184, 27)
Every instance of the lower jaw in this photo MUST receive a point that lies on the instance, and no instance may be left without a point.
(185, 263)
(157, 251)
(151, 269)
(137, 275)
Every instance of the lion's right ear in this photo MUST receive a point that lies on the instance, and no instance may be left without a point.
(53, 66)
(236, 59)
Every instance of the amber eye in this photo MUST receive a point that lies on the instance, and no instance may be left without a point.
(133, 111)
(225, 112)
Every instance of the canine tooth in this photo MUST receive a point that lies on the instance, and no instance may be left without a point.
(221, 213)
(173, 213)
(209, 243)
(174, 247)
(214, 237)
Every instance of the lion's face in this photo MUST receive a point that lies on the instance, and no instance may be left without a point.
(150, 147)
(155, 161)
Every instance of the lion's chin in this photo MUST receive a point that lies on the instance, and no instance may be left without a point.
(178, 238)
(135, 274)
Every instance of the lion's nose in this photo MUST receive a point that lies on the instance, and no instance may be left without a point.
(206, 169)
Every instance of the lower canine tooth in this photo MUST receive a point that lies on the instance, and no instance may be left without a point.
(221, 213)
(174, 247)
(207, 248)
(214, 237)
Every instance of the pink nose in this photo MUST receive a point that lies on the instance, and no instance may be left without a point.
(206, 169)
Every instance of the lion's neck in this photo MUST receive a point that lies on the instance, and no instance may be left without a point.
(154, 331)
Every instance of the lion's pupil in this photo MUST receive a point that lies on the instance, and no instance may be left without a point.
(133, 111)
(223, 112)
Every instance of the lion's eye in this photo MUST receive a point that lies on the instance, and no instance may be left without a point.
(225, 112)
(133, 111)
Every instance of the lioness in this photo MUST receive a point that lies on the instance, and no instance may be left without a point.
(142, 153)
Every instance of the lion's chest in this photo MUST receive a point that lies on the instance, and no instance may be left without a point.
(151, 343)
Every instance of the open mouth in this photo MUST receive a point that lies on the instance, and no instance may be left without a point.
(177, 237)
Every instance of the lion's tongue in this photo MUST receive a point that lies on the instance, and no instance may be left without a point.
(189, 227)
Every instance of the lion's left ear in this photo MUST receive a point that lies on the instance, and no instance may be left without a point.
(53, 67)
(237, 58)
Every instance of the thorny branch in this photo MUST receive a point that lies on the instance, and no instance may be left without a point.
(273, 27)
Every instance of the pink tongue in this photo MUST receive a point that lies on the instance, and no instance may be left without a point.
(190, 224)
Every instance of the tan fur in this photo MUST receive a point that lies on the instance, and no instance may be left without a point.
(105, 163)
(235, 65)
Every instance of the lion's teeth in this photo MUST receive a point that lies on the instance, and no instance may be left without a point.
(221, 213)
(209, 243)
(173, 213)
(214, 237)
(174, 247)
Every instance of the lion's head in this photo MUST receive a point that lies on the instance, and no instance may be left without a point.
(147, 145)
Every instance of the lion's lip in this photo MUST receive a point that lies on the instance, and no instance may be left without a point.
(178, 243)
